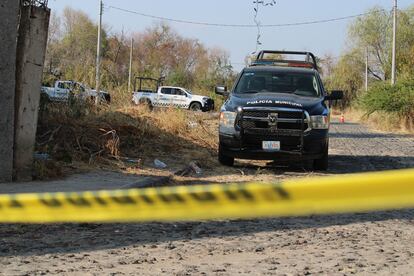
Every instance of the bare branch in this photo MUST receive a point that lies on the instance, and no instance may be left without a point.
(374, 74)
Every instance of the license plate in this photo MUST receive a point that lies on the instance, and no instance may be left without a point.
(271, 145)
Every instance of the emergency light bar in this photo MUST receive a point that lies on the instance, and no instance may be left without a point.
(276, 58)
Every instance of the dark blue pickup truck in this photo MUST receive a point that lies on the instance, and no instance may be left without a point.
(278, 109)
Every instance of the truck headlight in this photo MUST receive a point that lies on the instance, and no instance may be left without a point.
(319, 122)
(227, 120)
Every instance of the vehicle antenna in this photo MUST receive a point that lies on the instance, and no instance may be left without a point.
(394, 44)
(98, 54)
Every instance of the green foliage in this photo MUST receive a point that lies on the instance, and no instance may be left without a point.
(346, 76)
(372, 34)
(398, 99)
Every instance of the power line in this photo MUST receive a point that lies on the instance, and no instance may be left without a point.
(240, 25)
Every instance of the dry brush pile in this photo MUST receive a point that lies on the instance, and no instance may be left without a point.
(107, 136)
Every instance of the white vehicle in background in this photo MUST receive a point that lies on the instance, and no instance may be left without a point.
(170, 96)
(63, 90)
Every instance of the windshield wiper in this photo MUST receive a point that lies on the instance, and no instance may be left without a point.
(303, 93)
(250, 92)
(285, 92)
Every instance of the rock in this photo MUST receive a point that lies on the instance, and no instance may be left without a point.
(259, 249)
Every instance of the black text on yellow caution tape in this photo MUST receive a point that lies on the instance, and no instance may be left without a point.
(326, 195)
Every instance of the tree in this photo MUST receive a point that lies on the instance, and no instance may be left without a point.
(374, 32)
(347, 76)
(159, 52)
(72, 46)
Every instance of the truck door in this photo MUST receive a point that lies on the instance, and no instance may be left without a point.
(165, 98)
(79, 91)
(62, 91)
(180, 98)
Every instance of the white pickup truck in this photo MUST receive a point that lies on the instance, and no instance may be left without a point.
(63, 90)
(167, 96)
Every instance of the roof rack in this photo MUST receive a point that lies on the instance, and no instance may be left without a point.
(158, 82)
(308, 62)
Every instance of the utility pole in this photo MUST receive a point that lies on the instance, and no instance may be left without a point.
(366, 69)
(394, 45)
(130, 65)
(98, 54)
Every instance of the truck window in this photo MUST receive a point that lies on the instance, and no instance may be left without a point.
(63, 85)
(178, 92)
(79, 87)
(166, 90)
(279, 82)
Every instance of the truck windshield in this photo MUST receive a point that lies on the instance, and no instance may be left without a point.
(188, 91)
(278, 82)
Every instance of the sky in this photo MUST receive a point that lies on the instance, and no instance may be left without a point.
(325, 38)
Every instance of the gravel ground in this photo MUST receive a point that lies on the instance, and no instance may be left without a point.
(376, 243)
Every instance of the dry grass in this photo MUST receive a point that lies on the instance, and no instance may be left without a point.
(109, 136)
(380, 121)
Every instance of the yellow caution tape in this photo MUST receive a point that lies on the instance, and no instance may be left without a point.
(324, 195)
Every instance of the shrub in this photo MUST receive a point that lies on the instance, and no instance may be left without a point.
(383, 97)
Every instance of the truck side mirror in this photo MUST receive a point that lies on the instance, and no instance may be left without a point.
(222, 90)
(335, 95)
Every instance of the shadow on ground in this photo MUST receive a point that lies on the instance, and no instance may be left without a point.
(27, 240)
(338, 164)
(366, 135)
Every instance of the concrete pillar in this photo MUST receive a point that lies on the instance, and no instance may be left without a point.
(31, 50)
(9, 10)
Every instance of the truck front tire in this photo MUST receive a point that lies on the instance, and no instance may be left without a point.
(322, 164)
(195, 106)
(224, 159)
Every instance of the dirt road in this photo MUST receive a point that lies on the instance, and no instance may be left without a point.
(378, 243)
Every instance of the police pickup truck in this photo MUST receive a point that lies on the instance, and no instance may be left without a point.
(278, 109)
(64, 90)
(170, 96)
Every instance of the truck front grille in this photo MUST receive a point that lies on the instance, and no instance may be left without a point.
(274, 121)
(273, 124)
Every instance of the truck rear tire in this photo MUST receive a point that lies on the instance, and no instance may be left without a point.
(224, 159)
(195, 106)
(146, 102)
(322, 164)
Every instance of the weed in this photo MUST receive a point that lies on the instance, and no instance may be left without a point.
(107, 134)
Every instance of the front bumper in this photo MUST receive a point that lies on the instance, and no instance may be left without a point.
(314, 147)
(208, 105)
